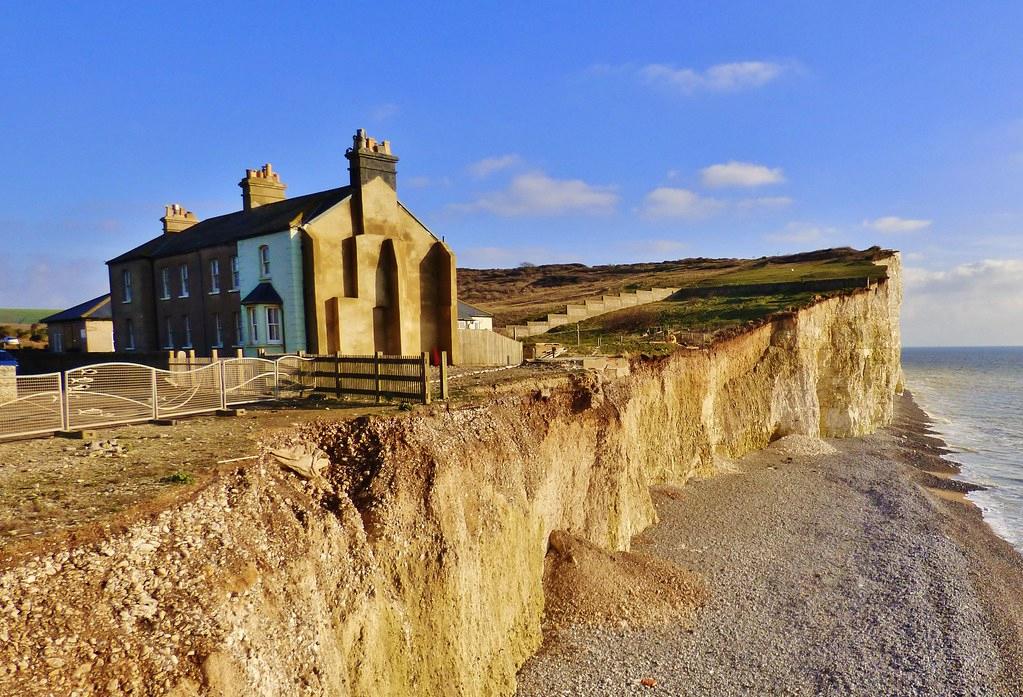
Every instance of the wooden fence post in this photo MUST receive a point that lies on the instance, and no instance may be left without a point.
(223, 386)
(424, 364)
(337, 375)
(376, 374)
(444, 375)
(156, 406)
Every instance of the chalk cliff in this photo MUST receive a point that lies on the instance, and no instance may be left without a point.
(416, 568)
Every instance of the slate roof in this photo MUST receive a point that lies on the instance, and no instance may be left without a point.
(467, 311)
(263, 294)
(97, 308)
(224, 229)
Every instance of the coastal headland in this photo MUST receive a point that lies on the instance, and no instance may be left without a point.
(413, 562)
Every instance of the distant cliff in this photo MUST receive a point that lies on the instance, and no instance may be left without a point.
(415, 568)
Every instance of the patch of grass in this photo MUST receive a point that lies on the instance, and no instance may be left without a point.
(178, 478)
(773, 272)
(23, 315)
(646, 328)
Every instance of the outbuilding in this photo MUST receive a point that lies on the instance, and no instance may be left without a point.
(84, 328)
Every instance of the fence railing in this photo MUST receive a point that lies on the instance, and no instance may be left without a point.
(109, 394)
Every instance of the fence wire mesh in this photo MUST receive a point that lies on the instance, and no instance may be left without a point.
(110, 394)
(181, 392)
(30, 404)
(249, 380)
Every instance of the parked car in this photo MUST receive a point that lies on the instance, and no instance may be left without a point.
(11, 341)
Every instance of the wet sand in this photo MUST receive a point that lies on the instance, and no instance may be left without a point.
(862, 572)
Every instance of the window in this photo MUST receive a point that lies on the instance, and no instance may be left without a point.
(126, 286)
(165, 284)
(236, 280)
(264, 261)
(57, 339)
(218, 331)
(214, 276)
(186, 321)
(183, 271)
(237, 329)
(253, 326)
(273, 325)
(129, 335)
(168, 334)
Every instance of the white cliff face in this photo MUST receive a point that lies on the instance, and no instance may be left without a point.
(419, 570)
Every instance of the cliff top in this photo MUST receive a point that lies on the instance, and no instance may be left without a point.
(530, 292)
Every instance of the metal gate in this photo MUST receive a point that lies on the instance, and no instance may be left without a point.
(110, 393)
(249, 380)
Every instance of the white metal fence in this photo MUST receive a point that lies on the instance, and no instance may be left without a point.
(109, 394)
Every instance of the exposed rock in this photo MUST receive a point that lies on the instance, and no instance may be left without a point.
(417, 568)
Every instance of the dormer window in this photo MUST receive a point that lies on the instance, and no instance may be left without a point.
(264, 261)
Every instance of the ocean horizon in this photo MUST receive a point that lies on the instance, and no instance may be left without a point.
(974, 396)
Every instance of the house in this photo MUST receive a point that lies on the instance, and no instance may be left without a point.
(348, 269)
(87, 327)
(472, 317)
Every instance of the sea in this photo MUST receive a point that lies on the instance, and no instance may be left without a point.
(975, 398)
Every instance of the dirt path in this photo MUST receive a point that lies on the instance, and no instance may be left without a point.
(833, 574)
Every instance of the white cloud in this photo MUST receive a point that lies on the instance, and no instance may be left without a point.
(51, 281)
(504, 257)
(648, 248)
(802, 233)
(382, 112)
(765, 202)
(892, 224)
(723, 77)
(489, 165)
(537, 194)
(978, 303)
(667, 202)
(740, 174)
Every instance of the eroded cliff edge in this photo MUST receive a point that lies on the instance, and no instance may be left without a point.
(416, 567)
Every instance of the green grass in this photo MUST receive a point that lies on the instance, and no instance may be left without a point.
(23, 315)
(804, 271)
(644, 329)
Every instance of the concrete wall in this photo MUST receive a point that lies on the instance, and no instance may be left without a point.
(287, 278)
(484, 347)
(99, 335)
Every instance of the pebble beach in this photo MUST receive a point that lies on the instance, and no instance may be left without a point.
(839, 567)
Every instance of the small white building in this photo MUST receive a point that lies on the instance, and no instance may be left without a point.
(470, 317)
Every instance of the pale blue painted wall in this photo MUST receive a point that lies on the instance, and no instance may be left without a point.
(286, 278)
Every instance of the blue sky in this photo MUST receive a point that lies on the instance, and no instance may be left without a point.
(534, 133)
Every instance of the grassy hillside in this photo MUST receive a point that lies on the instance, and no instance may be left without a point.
(23, 315)
(648, 328)
(530, 293)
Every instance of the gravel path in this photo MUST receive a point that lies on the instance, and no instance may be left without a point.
(829, 575)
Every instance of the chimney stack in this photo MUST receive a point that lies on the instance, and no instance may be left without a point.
(261, 186)
(176, 219)
(374, 207)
